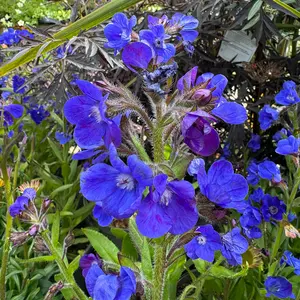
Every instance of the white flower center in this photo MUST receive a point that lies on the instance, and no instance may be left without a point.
(273, 210)
(166, 197)
(95, 112)
(125, 181)
(201, 240)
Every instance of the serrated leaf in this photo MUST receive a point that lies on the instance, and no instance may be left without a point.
(102, 245)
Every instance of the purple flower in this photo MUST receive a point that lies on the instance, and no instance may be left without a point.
(272, 208)
(205, 244)
(38, 113)
(110, 286)
(18, 81)
(88, 113)
(62, 137)
(11, 111)
(87, 260)
(257, 195)
(117, 188)
(292, 261)
(185, 25)
(267, 116)
(288, 95)
(234, 245)
(254, 143)
(118, 33)
(169, 208)
(229, 112)
(22, 202)
(155, 38)
(269, 170)
(279, 287)
(222, 186)
(153, 21)
(252, 170)
(288, 146)
(198, 134)
(137, 55)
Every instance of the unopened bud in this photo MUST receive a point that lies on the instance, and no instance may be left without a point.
(45, 205)
(53, 290)
(69, 239)
(33, 230)
(202, 96)
(19, 238)
(40, 246)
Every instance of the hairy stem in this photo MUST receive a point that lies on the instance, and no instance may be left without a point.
(277, 243)
(159, 271)
(158, 145)
(62, 267)
(9, 221)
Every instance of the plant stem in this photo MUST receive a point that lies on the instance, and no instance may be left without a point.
(159, 271)
(9, 221)
(277, 242)
(294, 190)
(158, 145)
(62, 267)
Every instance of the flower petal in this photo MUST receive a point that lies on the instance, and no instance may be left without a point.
(231, 113)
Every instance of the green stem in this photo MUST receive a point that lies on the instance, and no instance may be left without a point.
(158, 145)
(159, 271)
(294, 190)
(62, 267)
(9, 222)
(277, 243)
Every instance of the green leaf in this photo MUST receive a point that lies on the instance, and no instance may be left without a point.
(128, 248)
(279, 5)
(93, 19)
(57, 119)
(55, 150)
(55, 228)
(127, 262)
(74, 265)
(219, 272)
(255, 8)
(103, 246)
(38, 259)
(140, 149)
(200, 265)
(60, 189)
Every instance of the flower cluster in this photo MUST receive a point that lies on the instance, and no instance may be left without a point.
(12, 36)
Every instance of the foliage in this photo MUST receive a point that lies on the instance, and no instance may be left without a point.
(173, 175)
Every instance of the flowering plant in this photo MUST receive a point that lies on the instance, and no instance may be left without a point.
(142, 194)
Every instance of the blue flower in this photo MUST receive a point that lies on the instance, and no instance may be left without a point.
(279, 287)
(252, 232)
(254, 143)
(267, 116)
(272, 208)
(269, 170)
(153, 21)
(103, 218)
(252, 170)
(257, 195)
(283, 133)
(137, 55)
(204, 244)
(234, 245)
(98, 155)
(118, 33)
(86, 262)
(288, 146)
(110, 286)
(250, 219)
(18, 81)
(62, 137)
(11, 36)
(185, 25)
(210, 89)
(117, 188)
(226, 151)
(22, 202)
(171, 207)
(38, 113)
(222, 186)
(292, 261)
(288, 95)
(88, 113)
(155, 38)
(11, 111)
(291, 217)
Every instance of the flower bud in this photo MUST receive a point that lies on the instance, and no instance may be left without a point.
(40, 246)
(69, 239)
(202, 96)
(53, 290)
(19, 238)
(33, 230)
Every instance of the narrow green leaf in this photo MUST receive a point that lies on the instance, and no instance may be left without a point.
(37, 259)
(128, 248)
(74, 265)
(60, 189)
(103, 246)
(140, 149)
(57, 119)
(55, 150)
(95, 18)
(287, 9)
(55, 228)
